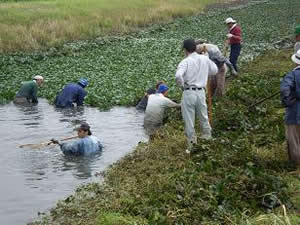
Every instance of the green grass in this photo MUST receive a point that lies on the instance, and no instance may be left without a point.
(31, 25)
(224, 182)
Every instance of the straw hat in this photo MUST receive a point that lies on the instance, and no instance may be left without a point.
(230, 20)
(296, 57)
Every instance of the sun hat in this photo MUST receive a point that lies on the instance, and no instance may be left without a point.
(162, 88)
(38, 77)
(83, 81)
(297, 30)
(296, 57)
(230, 20)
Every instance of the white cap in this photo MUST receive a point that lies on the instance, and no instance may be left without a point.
(38, 77)
(296, 57)
(230, 20)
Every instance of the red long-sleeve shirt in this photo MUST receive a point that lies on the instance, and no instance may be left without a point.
(237, 32)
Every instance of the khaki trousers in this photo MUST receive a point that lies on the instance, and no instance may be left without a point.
(292, 133)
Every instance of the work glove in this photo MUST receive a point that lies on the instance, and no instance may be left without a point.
(54, 141)
(229, 35)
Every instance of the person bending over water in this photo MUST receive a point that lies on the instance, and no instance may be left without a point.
(86, 145)
(142, 105)
(72, 94)
(28, 91)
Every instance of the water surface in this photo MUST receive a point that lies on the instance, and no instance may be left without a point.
(33, 180)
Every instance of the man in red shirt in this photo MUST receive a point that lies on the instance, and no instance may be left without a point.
(234, 39)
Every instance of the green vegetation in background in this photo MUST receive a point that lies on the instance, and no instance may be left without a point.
(30, 25)
(239, 178)
(120, 69)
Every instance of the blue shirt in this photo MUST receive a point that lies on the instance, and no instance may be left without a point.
(72, 93)
(84, 146)
(290, 96)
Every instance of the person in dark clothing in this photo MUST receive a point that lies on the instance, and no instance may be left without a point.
(290, 97)
(234, 39)
(142, 105)
(72, 94)
(28, 91)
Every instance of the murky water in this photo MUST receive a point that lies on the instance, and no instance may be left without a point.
(33, 180)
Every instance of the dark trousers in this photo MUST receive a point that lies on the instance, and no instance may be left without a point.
(235, 50)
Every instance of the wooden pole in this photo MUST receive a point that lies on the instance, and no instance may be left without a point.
(209, 102)
(45, 143)
(264, 99)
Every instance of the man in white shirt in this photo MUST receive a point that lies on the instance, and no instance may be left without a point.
(191, 75)
(154, 115)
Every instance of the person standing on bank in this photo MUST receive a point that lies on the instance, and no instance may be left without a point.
(192, 75)
(28, 91)
(86, 145)
(234, 39)
(217, 83)
(290, 97)
(72, 94)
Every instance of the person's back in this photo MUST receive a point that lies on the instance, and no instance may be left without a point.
(156, 106)
(28, 90)
(197, 68)
(213, 50)
(290, 93)
(72, 93)
(84, 146)
(157, 103)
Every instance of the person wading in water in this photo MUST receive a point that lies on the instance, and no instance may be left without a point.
(86, 145)
(28, 91)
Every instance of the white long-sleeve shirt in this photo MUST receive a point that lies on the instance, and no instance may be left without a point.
(193, 71)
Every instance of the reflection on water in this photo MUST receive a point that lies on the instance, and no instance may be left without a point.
(81, 166)
(36, 179)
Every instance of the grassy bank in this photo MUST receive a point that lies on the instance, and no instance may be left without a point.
(120, 69)
(242, 177)
(30, 25)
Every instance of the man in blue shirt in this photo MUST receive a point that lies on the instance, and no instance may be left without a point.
(86, 145)
(72, 94)
(290, 97)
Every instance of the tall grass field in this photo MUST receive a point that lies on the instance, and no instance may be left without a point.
(29, 25)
